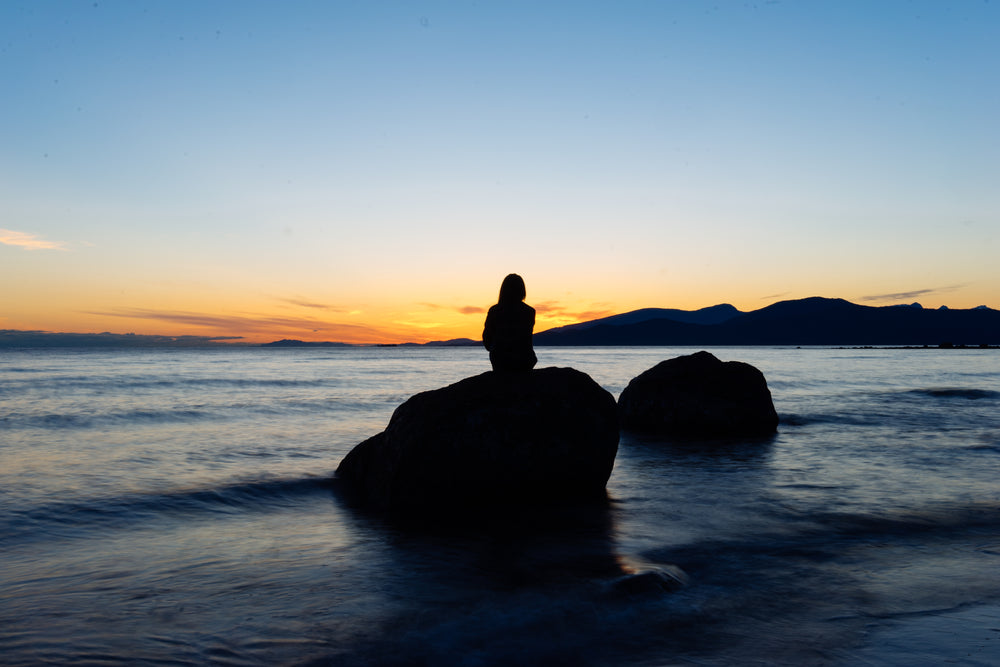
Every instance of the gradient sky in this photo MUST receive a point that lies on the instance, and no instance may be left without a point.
(369, 171)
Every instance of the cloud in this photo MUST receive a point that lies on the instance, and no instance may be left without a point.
(549, 307)
(552, 310)
(906, 296)
(311, 304)
(587, 315)
(267, 326)
(465, 310)
(418, 325)
(28, 241)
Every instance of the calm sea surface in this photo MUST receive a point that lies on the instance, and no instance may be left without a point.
(174, 507)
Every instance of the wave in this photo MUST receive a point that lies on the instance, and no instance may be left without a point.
(880, 407)
(789, 419)
(942, 520)
(985, 447)
(848, 418)
(956, 392)
(81, 517)
(144, 417)
(825, 536)
(123, 384)
(79, 420)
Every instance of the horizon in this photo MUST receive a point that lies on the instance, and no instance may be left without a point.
(222, 340)
(369, 174)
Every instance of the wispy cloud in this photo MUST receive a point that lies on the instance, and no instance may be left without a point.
(906, 296)
(465, 310)
(263, 326)
(28, 241)
(553, 310)
(311, 304)
(414, 324)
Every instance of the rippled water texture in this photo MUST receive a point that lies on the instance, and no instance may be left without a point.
(175, 507)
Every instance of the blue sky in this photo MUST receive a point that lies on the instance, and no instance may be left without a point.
(372, 170)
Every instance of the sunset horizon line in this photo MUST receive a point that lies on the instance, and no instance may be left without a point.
(384, 338)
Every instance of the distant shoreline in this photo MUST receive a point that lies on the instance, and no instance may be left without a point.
(8, 344)
(812, 322)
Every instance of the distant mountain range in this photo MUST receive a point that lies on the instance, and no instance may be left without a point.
(14, 338)
(812, 321)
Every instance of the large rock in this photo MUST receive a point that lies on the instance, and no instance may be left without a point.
(698, 396)
(493, 439)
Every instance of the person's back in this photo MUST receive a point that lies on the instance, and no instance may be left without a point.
(509, 327)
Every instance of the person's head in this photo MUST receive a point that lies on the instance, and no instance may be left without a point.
(512, 289)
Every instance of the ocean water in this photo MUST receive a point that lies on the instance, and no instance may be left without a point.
(174, 507)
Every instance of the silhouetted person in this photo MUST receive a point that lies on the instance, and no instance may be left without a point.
(509, 325)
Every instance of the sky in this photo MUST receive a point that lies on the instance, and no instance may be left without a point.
(369, 172)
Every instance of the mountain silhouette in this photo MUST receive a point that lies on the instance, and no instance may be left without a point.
(13, 338)
(710, 315)
(811, 321)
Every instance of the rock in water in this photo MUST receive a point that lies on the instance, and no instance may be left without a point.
(498, 438)
(699, 396)
(653, 580)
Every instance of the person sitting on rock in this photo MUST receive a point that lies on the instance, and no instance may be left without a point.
(509, 325)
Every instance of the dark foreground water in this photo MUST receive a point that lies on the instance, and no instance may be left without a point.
(174, 507)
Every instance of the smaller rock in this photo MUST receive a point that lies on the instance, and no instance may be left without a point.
(699, 396)
(653, 580)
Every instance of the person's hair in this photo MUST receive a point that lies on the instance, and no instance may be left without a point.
(512, 289)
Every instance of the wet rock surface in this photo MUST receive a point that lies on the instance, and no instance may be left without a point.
(698, 396)
(546, 435)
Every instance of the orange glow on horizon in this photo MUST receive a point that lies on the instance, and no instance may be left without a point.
(357, 326)
(254, 316)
